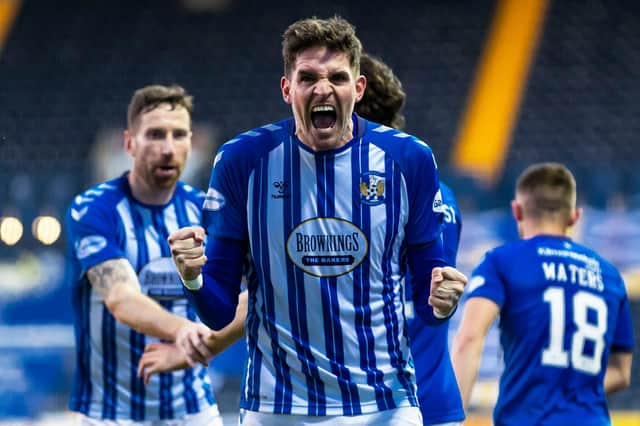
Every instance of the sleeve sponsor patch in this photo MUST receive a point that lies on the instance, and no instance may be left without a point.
(438, 205)
(90, 245)
(214, 200)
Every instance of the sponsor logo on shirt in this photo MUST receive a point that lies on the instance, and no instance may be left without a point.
(214, 200)
(282, 189)
(327, 247)
(372, 188)
(89, 245)
(159, 279)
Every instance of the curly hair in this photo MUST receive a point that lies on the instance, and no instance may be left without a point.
(384, 97)
(335, 33)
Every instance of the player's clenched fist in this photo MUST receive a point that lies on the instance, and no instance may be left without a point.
(187, 250)
(447, 285)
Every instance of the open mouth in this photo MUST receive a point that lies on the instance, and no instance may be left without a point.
(166, 170)
(323, 116)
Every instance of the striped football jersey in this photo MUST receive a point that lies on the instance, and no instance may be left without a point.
(327, 234)
(106, 222)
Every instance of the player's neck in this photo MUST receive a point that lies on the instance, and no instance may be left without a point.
(149, 194)
(532, 229)
(317, 144)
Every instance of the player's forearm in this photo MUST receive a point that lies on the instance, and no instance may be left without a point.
(234, 331)
(614, 381)
(143, 314)
(465, 356)
(117, 283)
(618, 374)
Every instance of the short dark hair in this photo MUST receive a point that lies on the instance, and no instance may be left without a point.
(148, 98)
(549, 190)
(335, 33)
(384, 97)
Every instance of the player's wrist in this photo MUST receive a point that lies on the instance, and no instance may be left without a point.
(442, 316)
(193, 284)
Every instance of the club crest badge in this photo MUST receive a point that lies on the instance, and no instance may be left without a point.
(372, 188)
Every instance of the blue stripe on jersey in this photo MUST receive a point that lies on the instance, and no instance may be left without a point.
(189, 394)
(325, 182)
(296, 294)
(250, 397)
(163, 233)
(208, 392)
(282, 391)
(82, 381)
(137, 340)
(166, 381)
(361, 218)
(166, 409)
(393, 188)
(109, 366)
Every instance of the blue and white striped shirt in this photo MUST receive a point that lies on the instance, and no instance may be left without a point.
(327, 234)
(106, 222)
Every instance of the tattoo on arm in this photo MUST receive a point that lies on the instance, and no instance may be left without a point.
(104, 276)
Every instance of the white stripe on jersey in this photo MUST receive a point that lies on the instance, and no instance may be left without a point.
(124, 211)
(193, 212)
(151, 236)
(171, 219)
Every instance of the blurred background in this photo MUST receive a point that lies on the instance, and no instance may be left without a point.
(492, 85)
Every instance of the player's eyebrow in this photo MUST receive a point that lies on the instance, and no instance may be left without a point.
(306, 73)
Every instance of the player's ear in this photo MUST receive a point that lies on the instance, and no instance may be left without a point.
(575, 215)
(285, 87)
(361, 85)
(128, 142)
(516, 209)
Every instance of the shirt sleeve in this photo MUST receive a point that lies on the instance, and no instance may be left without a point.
(224, 213)
(93, 233)
(452, 225)
(224, 217)
(215, 302)
(623, 336)
(486, 281)
(422, 260)
(426, 210)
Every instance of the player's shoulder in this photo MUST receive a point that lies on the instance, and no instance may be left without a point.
(607, 268)
(507, 250)
(257, 141)
(189, 192)
(409, 152)
(102, 196)
(395, 141)
(448, 197)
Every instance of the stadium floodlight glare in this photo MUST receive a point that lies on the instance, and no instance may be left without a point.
(46, 229)
(10, 230)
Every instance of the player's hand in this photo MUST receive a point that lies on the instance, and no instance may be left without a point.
(447, 285)
(192, 339)
(187, 250)
(160, 358)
